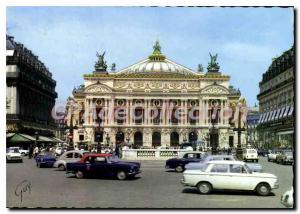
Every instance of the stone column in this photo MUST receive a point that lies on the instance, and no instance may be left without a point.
(106, 111)
(200, 114)
(129, 112)
(146, 112)
(164, 112)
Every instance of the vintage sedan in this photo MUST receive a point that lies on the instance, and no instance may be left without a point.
(284, 157)
(13, 154)
(45, 159)
(179, 163)
(69, 157)
(233, 175)
(255, 167)
(103, 165)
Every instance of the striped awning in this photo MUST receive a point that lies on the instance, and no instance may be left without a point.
(291, 111)
(286, 111)
(282, 112)
(260, 118)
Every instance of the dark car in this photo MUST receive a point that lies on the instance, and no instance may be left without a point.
(45, 160)
(285, 157)
(179, 163)
(262, 152)
(96, 165)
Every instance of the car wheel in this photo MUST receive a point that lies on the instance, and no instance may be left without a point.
(263, 189)
(61, 167)
(79, 174)
(179, 169)
(121, 175)
(269, 160)
(204, 187)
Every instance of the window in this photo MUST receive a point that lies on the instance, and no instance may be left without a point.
(235, 168)
(220, 168)
(77, 155)
(189, 156)
(70, 155)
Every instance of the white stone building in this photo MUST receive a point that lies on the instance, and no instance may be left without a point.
(140, 104)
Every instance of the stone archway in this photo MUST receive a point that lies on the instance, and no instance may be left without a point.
(174, 139)
(156, 139)
(138, 139)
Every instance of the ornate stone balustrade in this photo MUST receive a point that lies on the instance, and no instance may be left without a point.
(151, 154)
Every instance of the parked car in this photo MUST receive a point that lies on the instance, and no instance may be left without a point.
(262, 152)
(103, 165)
(179, 163)
(272, 155)
(13, 154)
(234, 175)
(255, 167)
(68, 157)
(285, 157)
(250, 154)
(45, 159)
(287, 198)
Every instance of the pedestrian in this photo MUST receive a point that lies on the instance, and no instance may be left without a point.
(36, 151)
(30, 152)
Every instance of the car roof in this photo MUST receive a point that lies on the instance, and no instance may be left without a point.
(226, 162)
(97, 155)
(79, 151)
(194, 152)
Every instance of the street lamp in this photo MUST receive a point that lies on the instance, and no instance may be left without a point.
(98, 136)
(107, 139)
(36, 137)
(239, 129)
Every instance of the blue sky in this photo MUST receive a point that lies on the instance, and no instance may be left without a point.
(66, 39)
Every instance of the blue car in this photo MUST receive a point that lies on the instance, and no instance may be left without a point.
(45, 160)
(179, 163)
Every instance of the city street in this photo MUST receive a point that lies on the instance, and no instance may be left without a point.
(155, 187)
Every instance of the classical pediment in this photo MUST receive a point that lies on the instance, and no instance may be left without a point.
(214, 89)
(98, 88)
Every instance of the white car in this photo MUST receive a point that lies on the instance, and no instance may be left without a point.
(287, 199)
(68, 157)
(250, 154)
(22, 151)
(272, 156)
(13, 154)
(234, 175)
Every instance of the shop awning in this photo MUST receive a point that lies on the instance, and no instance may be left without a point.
(291, 111)
(278, 113)
(57, 140)
(46, 139)
(266, 117)
(286, 111)
(8, 135)
(269, 117)
(282, 112)
(260, 118)
(285, 132)
(18, 138)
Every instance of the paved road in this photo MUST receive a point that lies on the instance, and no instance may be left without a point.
(154, 188)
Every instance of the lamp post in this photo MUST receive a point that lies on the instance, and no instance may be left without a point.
(36, 134)
(213, 131)
(98, 136)
(239, 129)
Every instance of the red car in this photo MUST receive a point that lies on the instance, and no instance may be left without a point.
(103, 165)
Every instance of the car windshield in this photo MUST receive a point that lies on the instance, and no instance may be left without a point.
(15, 150)
(113, 159)
(289, 153)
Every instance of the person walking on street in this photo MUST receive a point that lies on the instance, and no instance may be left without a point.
(36, 151)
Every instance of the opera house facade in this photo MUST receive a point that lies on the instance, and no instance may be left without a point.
(155, 102)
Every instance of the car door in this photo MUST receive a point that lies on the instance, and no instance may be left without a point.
(219, 176)
(100, 166)
(239, 177)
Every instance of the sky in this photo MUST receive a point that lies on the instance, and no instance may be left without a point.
(66, 39)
